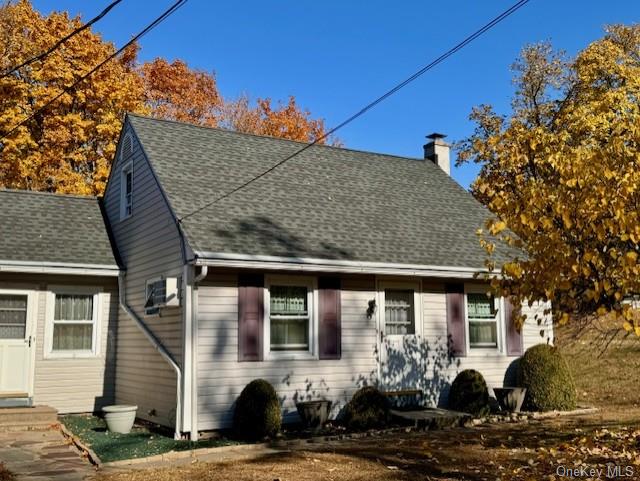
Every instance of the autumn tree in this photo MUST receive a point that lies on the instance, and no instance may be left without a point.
(176, 92)
(68, 147)
(562, 175)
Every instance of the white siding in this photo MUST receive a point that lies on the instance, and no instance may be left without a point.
(221, 377)
(72, 385)
(425, 361)
(149, 245)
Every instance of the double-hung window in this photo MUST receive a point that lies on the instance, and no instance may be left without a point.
(482, 315)
(126, 191)
(290, 310)
(74, 324)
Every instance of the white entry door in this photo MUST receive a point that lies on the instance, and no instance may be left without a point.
(400, 325)
(16, 342)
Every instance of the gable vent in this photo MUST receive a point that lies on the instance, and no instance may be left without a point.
(126, 149)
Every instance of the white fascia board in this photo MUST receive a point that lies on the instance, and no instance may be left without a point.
(329, 265)
(28, 267)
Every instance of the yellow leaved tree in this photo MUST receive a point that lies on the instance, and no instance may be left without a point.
(68, 147)
(562, 173)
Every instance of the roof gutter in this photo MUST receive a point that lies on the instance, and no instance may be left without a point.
(62, 268)
(333, 265)
(155, 342)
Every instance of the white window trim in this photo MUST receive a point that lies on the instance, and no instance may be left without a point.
(312, 285)
(126, 168)
(49, 353)
(416, 287)
(500, 331)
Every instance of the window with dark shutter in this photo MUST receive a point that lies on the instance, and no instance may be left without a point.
(329, 322)
(250, 317)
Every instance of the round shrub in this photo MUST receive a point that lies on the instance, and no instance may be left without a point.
(368, 409)
(469, 393)
(546, 375)
(257, 414)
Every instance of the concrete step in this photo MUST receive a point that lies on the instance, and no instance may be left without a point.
(22, 417)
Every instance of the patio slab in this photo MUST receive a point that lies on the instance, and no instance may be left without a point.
(42, 456)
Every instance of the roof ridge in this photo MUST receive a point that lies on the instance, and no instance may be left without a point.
(52, 194)
(270, 137)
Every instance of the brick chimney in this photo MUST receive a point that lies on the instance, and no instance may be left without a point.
(437, 151)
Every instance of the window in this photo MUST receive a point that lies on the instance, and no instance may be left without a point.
(483, 322)
(289, 316)
(155, 295)
(126, 191)
(399, 312)
(74, 323)
(13, 316)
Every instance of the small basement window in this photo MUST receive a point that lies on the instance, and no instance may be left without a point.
(126, 191)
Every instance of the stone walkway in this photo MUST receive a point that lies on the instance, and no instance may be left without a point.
(42, 456)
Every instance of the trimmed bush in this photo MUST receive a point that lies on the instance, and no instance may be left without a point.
(257, 414)
(546, 375)
(368, 409)
(469, 393)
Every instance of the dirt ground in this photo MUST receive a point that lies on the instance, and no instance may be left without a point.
(532, 451)
(538, 450)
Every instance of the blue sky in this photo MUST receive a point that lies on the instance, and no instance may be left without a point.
(336, 56)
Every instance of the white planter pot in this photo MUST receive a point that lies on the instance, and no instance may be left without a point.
(120, 417)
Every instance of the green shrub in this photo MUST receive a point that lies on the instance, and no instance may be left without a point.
(469, 393)
(257, 414)
(368, 409)
(546, 375)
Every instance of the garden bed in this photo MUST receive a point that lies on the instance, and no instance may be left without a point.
(142, 441)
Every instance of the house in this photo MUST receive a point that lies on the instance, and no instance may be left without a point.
(336, 270)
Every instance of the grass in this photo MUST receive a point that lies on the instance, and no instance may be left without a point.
(604, 378)
(140, 442)
(510, 452)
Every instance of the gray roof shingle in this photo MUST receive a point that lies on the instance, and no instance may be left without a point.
(52, 228)
(326, 203)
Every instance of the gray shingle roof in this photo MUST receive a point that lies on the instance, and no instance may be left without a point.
(50, 228)
(327, 203)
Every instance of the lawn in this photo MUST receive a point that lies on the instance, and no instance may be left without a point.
(607, 442)
(140, 442)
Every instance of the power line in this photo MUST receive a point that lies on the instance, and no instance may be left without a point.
(57, 45)
(370, 105)
(66, 90)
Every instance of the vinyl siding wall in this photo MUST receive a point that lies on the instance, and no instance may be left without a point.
(72, 385)
(149, 245)
(423, 363)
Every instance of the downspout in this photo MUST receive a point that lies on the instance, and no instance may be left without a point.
(155, 342)
(204, 270)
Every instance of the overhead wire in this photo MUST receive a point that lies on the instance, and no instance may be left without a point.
(68, 90)
(58, 44)
(460, 45)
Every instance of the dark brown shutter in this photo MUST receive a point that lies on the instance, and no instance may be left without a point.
(514, 336)
(455, 319)
(329, 335)
(250, 317)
